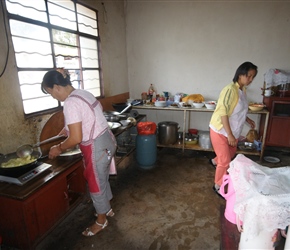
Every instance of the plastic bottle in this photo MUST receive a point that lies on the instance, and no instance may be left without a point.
(151, 92)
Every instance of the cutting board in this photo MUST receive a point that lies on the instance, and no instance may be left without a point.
(52, 128)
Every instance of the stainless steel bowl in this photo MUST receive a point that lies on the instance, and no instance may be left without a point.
(246, 145)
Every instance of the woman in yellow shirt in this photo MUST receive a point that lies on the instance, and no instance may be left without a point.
(227, 121)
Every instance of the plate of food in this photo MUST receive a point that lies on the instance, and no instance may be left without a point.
(184, 105)
(173, 105)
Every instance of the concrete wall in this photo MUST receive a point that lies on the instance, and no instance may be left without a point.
(196, 46)
(15, 130)
(179, 46)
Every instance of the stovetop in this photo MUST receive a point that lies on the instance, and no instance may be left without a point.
(21, 178)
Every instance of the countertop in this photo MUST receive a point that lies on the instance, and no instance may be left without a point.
(59, 165)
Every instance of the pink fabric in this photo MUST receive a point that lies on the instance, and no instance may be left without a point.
(76, 110)
(224, 154)
(89, 173)
(113, 169)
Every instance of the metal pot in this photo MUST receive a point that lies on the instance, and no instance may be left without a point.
(167, 132)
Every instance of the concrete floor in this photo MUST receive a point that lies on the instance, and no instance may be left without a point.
(171, 206)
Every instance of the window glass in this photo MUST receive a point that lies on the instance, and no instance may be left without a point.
(33, 9)
(59, 15)
(41, 44)
(28, 30)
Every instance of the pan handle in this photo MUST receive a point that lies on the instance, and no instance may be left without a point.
(129, 105)
(49, 140)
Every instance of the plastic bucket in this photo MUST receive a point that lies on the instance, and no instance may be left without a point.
(146, 151)
(228, 192)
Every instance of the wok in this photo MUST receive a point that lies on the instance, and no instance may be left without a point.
(18, 169)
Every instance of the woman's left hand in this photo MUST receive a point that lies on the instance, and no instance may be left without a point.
(251, 122)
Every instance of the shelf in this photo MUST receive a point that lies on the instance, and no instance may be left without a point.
(199, 148)
(264, 113)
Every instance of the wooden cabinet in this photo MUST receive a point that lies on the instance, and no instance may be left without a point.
(278, 133)
(28, 220)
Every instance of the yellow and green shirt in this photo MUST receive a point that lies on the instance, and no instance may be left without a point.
(226, 104)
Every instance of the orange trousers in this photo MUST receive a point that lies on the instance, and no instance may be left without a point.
(224, 154)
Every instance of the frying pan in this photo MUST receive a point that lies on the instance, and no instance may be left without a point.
(18, 169)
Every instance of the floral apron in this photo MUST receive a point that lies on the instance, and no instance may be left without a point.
(88, 151)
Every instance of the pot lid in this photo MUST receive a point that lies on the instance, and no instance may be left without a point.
(167, 123)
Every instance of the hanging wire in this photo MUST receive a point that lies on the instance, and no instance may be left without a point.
(4, 22)
(105, 14)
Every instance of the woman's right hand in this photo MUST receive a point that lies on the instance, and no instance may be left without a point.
(232, 140)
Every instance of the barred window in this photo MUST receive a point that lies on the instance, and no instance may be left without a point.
(49, 34)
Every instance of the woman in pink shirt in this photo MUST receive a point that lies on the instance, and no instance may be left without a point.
(86, 126)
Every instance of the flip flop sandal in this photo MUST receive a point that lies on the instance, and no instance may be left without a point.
(89, 233)
(110, 213)
(211, 163)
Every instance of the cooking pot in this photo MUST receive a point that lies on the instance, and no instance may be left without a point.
(167, 132)
(17, 169)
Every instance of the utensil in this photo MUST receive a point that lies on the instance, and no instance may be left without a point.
(246, 146)
(121, 106)
(129, 105)
(114, 126)
(27, 149)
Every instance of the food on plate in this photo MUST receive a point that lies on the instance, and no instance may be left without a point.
(256, 104)
(16, 162)
(174, 105)
(193, 98)
(149, 103)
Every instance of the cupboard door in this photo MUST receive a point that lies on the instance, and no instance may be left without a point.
(278, 132)
(51, 205)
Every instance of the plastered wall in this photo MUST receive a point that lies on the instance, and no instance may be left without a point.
(179, 46)
(15, 130)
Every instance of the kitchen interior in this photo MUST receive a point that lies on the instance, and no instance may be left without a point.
(188, 47)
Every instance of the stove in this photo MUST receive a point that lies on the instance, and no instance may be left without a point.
(22, 178)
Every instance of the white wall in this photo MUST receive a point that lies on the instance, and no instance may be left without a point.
(196, 46)
(180, 46)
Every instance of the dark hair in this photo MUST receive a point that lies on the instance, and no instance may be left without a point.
(54, 77)
(243, 69)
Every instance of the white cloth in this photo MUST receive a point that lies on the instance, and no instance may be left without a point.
(262, 195)
(275, 77)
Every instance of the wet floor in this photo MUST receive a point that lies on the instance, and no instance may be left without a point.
(171, 206)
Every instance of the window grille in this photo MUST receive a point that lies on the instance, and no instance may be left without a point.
(49, 34)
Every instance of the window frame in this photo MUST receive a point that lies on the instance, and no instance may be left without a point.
(51, 27)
